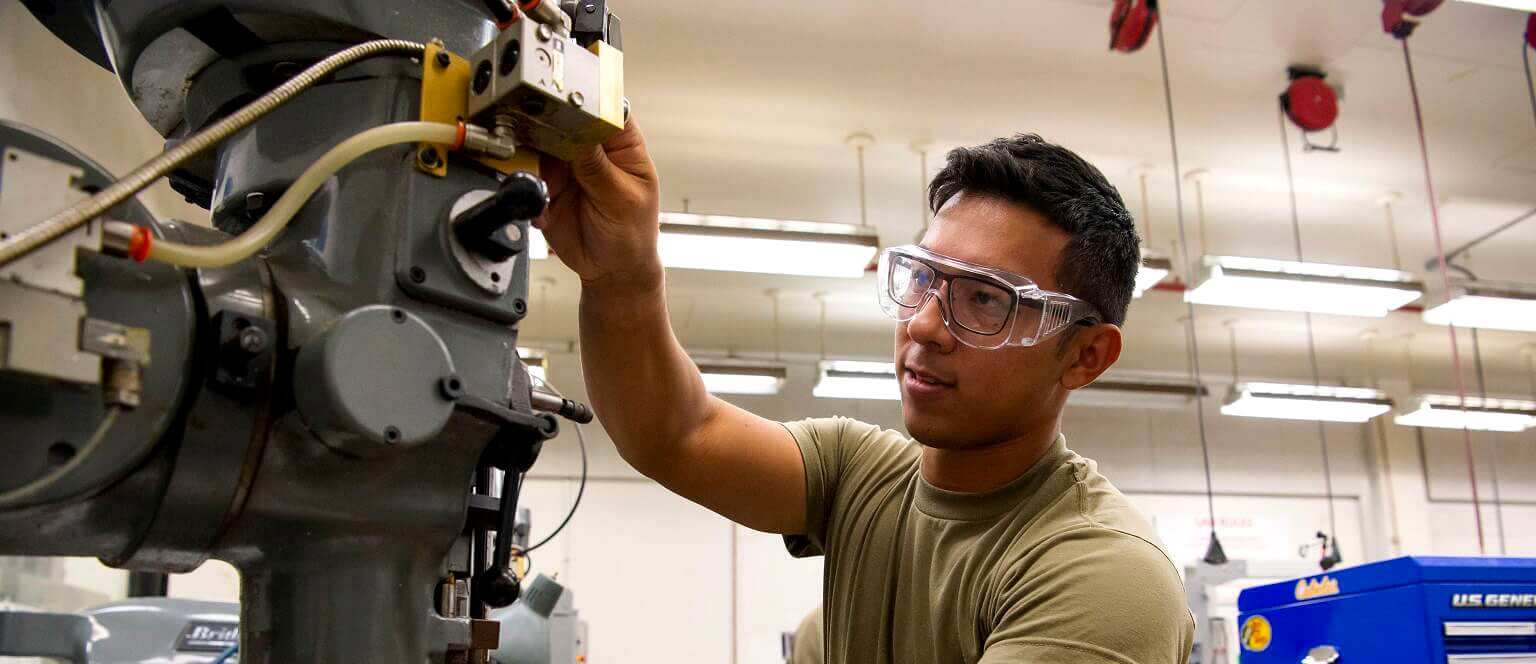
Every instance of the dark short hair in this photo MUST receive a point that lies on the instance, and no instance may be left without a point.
(1100, 260)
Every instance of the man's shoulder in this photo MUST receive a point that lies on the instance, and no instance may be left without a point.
(857, 444)
(1093, 535)
(1092, 584)
(1094, 508)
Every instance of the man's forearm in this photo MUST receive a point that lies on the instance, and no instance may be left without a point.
(642, 384)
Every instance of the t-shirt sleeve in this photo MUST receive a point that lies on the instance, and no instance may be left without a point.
(821, 448)
(843, 457)
(1091, 595)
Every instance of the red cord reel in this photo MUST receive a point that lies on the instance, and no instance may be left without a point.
(1130, 23)
(1310, 103)
(1395, 13)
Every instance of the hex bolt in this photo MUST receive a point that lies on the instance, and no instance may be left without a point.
(253, 340)
(443, 59)
(505, 125)
(418, 275)
(428, 157)
(577, 99)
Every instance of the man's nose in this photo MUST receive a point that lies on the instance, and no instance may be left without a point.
(927, 327)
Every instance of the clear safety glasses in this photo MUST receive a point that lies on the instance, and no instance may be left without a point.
(983, 307)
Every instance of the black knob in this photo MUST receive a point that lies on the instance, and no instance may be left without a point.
(490, 228)
(496, 586)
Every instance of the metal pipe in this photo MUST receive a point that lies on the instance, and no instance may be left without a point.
(1451, 255)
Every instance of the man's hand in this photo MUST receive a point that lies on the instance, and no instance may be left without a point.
(602, 219)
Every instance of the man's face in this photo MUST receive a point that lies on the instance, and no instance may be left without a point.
(954, 396)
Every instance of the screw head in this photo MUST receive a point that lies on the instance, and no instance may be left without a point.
(253, 340)
(391, 434)
(443, 60)
(513, 232)
(418, 275)
(544, 33)
(577, 99)
(591, 8)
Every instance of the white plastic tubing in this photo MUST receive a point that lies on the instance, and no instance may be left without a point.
(278, 216)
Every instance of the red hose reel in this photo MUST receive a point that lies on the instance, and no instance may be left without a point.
(1311, 104)
(1130, 23)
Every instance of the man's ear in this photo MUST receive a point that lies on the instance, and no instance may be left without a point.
(1090, 354)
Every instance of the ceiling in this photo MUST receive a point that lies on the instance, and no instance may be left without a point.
(746, 107)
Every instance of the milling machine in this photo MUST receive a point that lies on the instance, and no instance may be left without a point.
(323, 388)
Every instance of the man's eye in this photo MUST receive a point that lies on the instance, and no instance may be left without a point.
(985, 299)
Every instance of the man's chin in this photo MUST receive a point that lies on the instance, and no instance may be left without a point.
(935, 430)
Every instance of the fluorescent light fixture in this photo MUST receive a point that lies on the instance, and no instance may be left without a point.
(538, 247)
(1306, 402)
(847, 379)
(537, 363)
(1136, 392)
(1262, 283)
(1154, 268)
(1487, 305)
(1444, 411)
(1522, 5)
(741, 244)
(725, 376)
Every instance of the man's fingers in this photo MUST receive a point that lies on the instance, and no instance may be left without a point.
(593, 170)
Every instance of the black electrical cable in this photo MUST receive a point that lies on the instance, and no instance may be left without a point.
(581, 442)
(1214, 554)
(1322, 433)
(500, 10)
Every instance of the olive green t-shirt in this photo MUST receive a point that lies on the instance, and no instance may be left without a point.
(1055, 566)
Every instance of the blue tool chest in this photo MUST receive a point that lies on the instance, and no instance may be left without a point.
(1411, 610)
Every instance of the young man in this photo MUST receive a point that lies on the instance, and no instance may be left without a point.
(980, 539)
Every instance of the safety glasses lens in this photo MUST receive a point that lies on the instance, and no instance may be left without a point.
(910, 280)
(979, 306)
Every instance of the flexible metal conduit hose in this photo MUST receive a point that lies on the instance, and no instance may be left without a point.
(143, 176)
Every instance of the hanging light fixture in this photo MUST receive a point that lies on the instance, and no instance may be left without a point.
(732, 376)
(773, 246)
(1155, 264)
(1155, 267)
(1306, 402)
(1284, 401)
(1281, 285)
(1487, 305)
(851, 379)
(1445, 411)
(769, 246)
(1140, 392)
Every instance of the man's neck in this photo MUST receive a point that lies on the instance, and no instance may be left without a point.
(985, 468)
